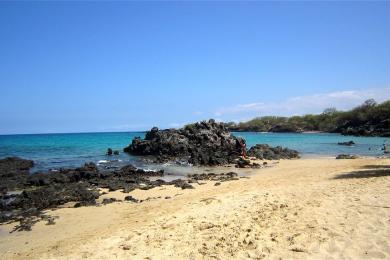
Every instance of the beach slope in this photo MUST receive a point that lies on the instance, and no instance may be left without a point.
(308, 208)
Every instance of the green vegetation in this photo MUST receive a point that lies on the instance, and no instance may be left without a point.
(368, 119)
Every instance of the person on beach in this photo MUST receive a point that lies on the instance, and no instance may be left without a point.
(243, 150)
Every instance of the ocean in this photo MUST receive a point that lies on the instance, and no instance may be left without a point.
(50, 151)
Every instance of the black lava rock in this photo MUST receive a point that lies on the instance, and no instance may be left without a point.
(204, 143)
(14, 173)
(130, 198)
(346, 156)
(349, 143)
(266, 152)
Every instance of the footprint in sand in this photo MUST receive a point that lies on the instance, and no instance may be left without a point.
(207, 201)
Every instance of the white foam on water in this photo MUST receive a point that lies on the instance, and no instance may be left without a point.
(150, 170)
(102, 162)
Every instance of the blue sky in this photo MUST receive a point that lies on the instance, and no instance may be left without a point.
(119, 66)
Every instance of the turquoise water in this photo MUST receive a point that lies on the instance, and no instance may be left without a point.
(72, 150)
(67, 150)
(318, 144)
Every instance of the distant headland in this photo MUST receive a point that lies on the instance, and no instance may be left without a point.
(368, 119)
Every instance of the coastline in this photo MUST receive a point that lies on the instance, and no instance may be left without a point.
(297, 209)
(200, 131)
(73, 150)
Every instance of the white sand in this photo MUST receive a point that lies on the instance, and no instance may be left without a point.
(294, 210)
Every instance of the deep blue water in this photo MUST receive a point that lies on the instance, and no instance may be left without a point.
(73, 150)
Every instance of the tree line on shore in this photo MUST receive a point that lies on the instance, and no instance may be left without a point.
(368, 119)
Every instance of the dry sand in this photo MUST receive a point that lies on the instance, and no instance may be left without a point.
(308, 208)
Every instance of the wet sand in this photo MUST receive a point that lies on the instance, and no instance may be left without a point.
(308, 208)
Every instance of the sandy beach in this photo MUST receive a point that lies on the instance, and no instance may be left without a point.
(307, 208)
(194, 130)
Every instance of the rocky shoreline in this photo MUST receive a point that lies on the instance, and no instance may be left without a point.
(203, 143)
(24, 196)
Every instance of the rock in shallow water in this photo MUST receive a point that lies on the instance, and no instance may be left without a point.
(266, 152)
(49, 190)
(13, 173)
(346, 156)
(204, 143)
(349, 143)
(42, 191)
(45, 191)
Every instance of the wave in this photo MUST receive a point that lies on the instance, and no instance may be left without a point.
(102, 162)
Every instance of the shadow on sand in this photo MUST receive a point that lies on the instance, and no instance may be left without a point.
(370, 171)
(376, 167)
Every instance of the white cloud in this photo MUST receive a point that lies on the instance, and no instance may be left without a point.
(341, 100)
